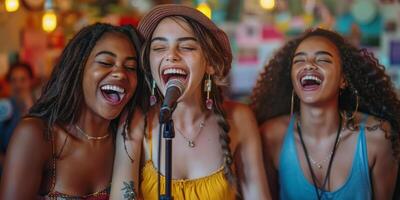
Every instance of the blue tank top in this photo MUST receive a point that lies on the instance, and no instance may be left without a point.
(294, 185)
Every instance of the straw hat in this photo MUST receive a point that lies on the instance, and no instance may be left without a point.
(149, 22)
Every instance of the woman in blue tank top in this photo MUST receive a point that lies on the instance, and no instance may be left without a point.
(329, 119)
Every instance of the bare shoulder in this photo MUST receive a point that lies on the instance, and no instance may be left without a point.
(236, 109)
(243, 125)
(31, 130)
(30, 136)
(240, 115)
(273, 130)
(272, 134)
(377, 129)
(378, 136)
(27, 154)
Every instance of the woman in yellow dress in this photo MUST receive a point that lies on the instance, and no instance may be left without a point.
(216, 150)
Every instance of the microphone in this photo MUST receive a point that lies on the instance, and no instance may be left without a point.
(175, 89)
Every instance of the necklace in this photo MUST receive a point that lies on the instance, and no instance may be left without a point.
(318, 164)
(88, 137)
(190, 142)
(313, 176)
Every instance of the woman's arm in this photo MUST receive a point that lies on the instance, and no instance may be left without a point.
(383, 166)
(268, 158)
(25, 162)
(272, 134)
(125, 181)
(254, 183)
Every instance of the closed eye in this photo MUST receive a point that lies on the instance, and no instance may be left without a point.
(188, 48)
(131, 68)
(107, 64)
(298, 61)
(158, 48)
(131, 64)
(324, 60)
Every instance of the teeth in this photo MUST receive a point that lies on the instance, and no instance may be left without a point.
(311, 77)
(174, 71)
(113, 88)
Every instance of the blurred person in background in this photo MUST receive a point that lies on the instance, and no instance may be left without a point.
(20, 78)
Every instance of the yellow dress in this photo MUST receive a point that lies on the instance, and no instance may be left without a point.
(214, 186)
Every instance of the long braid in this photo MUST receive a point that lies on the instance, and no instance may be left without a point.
(221, 65)
(224, 138)
(225, 142)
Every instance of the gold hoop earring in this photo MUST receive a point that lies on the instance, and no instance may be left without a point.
(207, 89)
(357, 104)
(153, 99)
(292, 104)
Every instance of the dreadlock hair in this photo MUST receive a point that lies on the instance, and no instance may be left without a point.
(363, 73)
(61, 100)
(210, 47)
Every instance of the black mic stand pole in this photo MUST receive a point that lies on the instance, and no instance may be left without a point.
(168, 135)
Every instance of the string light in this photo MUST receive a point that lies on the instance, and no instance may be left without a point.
(12, 5)
(267, 4)
(49, 20)
(205, 9)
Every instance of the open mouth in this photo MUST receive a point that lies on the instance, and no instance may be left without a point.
(113, 93)
(310, 82)
(174, 73)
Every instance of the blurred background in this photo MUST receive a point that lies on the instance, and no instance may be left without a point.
(36, 31)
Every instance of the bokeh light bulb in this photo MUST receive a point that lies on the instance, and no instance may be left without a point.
(12, 5)
(49, 21)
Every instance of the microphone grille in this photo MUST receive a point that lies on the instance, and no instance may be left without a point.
(176, 83)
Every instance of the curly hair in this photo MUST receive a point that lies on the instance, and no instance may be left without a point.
(363, 73)
(222, 65)
(61, 100)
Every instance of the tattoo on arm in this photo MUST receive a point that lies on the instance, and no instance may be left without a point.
(379, 125)
(129, 190)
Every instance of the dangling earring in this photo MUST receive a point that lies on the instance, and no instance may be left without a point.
(207, 89)
(292, 104)
(153, 99)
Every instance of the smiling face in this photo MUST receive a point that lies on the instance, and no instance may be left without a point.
(175, 53)
(316, 71)
(109, 77)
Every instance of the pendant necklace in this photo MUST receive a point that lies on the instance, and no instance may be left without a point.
(191, 141)
(313, 176)
(319, 164)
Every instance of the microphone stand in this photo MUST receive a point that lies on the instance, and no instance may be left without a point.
(168, 135)
(174, 90)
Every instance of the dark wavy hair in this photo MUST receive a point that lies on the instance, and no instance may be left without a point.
(221, 64)
(363, 73)
(62, 97)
